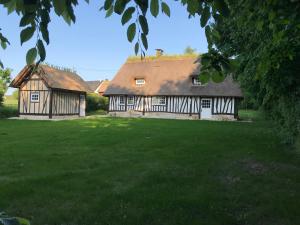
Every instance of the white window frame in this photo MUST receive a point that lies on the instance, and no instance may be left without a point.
(130, 100)
(196, 81)
(122, 100)
(206, 103)
(159, 100)
(140, 82)
(34, 97)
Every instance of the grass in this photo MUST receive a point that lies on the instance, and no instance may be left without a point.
(147, 171)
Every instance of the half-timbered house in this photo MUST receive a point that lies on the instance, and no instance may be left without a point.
(47, 92)
(168, 87)
(98, 86)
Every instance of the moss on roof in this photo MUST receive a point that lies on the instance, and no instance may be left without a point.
(163, 57)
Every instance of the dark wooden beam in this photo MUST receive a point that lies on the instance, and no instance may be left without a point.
(144, 103)
(19, 98)
(50, 102)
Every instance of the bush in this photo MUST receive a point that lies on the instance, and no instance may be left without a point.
(8, 111)
(95, 102)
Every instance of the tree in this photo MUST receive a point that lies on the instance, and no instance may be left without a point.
(263, 38)
(190, 51)
(4, 81)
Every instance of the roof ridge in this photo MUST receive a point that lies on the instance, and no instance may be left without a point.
(161, 58)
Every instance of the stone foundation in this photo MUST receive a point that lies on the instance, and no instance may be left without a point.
(39, 117)
(164, 115)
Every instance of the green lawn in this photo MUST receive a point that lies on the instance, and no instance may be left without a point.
(147, 171)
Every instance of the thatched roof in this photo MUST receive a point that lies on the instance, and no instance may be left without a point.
(98, 86)
(54, 78)
(103, 86)
(167, 76)
(93, 84)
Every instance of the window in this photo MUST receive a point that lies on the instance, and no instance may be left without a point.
(161, 100)
(196, 81)
(35, 97)
(139, 82)
(205, 103)
(122, 100)
(130, 100)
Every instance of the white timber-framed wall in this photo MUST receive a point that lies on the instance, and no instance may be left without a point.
(37, 99)
(201, 107)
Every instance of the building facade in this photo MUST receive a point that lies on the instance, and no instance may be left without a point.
(47, 92)
(170, 88)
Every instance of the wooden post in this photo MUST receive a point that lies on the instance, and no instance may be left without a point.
(144, 101)
(79, 104)
(19, 94)
(167, 98)
(212, 106)
(191, 105)
(125, 103)
(200, 107)
(50, 107)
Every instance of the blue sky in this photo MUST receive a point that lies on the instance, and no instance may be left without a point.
(96, 47)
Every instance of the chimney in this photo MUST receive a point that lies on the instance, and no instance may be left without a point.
(159, 52)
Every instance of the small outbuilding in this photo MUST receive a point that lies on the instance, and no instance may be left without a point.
(49, 92)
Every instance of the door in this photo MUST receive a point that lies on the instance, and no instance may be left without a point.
(206, 108)
(82, 105)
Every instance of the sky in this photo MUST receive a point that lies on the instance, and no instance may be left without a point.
(95, 46)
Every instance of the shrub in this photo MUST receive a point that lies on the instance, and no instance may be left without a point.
(8, 111)
(95, 102)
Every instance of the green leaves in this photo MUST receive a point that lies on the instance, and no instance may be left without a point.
(143, 5)
(217, 77)
(205, 16)
(154, 7)
(26, 34)
(204, 77)
(165, 9)
(109, 12)
(45, 33)
(42, 51)
(144, 41)
(144, 24)
(222, 7)
(59, 6)
(136, 48)
(4, 219)
(127, 15)
(27, 19)
(3, 44)
(108, 4)
(131, 31)
(22, 221)
(31, 56)
(120, 6)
